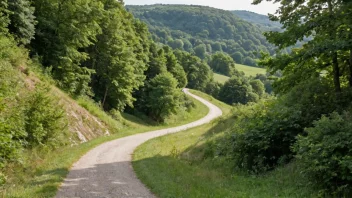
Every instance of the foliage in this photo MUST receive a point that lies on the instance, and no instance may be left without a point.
(262, 21)
(119, 66)
(45, 122)
(328, 22)
(201, 27)
(4, 17)
(163, 97)
(237, 90)
(213, 89)
(222, 63)
(325, 153)
(198, 72)
(65, 28)
(175, 68)
(22, 20)
(258, 87)
(11, 115)
(262, 137)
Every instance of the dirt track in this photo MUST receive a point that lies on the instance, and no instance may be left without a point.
(106, 170)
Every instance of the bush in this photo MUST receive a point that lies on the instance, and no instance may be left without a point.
(11, 114)
(45, 120)
(326, 153)
(260, 142)
(237, 90)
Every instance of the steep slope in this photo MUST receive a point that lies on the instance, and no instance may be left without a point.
(202, 29)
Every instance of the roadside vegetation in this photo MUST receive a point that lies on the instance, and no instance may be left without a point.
(188, 164)
(293, 144)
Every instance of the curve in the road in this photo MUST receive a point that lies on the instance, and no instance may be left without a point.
(106, 171)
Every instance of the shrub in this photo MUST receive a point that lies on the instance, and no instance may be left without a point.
(11, 114)
(262, 141)
(326, 153)
(45, 120)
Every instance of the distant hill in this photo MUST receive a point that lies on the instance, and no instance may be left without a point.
(260, 20)
(203, 30)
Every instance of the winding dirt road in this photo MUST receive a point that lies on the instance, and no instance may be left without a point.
(106, 170)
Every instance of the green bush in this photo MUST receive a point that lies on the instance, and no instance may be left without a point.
(11, 114)
(45, 120)
(262, 137)
(326, 153)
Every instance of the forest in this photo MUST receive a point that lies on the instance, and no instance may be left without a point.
(203, 31)
(137, 59)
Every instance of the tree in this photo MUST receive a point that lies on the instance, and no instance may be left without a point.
(64, 29)
(187, 45)
(200, 51)
(249, 61)
(237, 57)
(175, 68)
(176, 44)
(22, 20)
(237, 90)
(222, 63)
(163, 97)
(119, 68)
(198, 72)
(258, 87)
(157, 62)
(4, 17)
(324, 21)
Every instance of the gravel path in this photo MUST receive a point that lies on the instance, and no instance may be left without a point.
(106, 170)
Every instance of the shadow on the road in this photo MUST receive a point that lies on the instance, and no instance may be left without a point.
(89, 182)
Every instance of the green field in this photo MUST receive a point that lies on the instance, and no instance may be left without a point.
(248, 70)
(220, 78)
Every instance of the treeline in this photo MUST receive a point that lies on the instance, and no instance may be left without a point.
(91, 48)
(97, 48)
(309, 124)
(204, 31)
(262, 21)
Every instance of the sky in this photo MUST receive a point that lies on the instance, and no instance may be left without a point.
(263, 8)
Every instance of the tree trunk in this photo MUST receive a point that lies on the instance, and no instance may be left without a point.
(350, 68)
(336, 71)
(105, 95)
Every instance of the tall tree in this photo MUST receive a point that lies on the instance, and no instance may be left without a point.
(117, 57)
(174, 67)
(222, 63)
(64, 30)
(4, 17)
(323, 21)
(22, 20)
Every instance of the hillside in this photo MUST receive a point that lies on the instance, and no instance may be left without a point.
(262, 21)
(202, 30)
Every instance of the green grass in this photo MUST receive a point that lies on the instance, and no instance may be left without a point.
(176, 166)
(42, 171)
(250, 71)
(220, 78)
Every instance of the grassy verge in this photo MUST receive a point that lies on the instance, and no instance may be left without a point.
(42, 171)
(177, 166)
